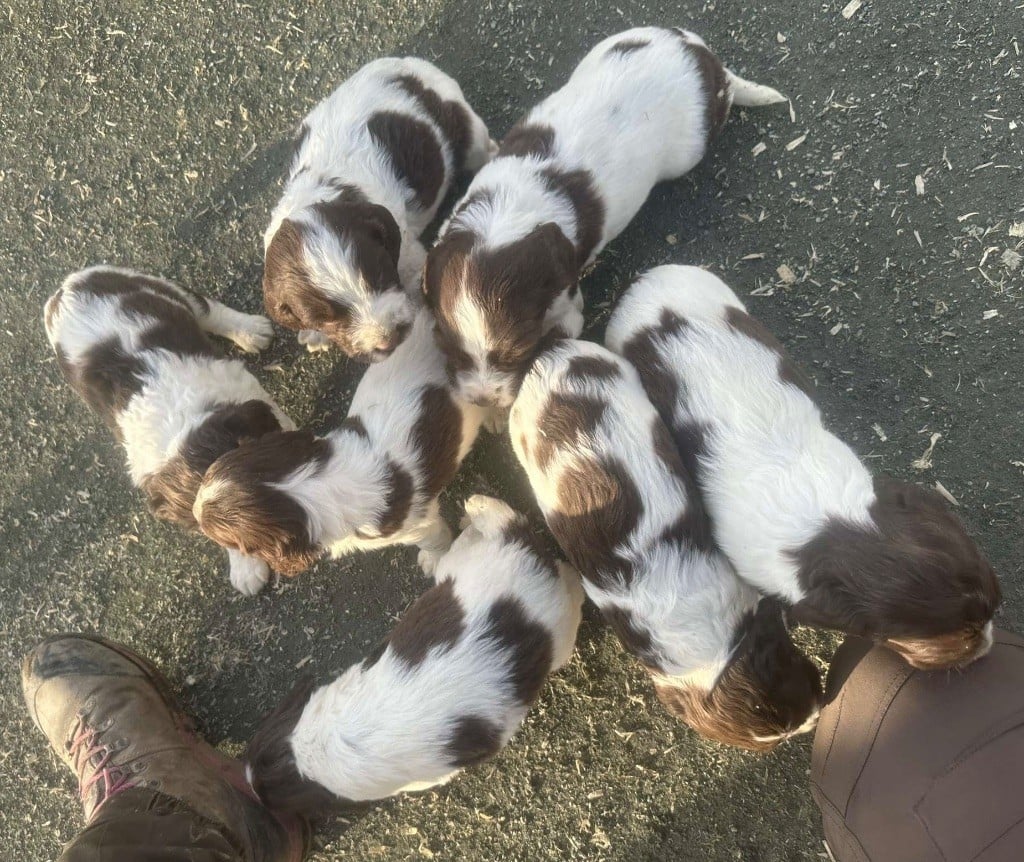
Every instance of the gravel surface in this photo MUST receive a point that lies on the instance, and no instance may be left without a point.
(877, 230)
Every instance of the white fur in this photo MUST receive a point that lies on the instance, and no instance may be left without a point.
(772, 475)
(339, 148)
(382, 730)
(180, 392)
(691, 602)
(629, 120)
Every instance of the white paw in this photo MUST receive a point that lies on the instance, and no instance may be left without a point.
(314, 340)
(429, 560)
(255, 335)
(488, 514)
(496, 420)
(249, 575)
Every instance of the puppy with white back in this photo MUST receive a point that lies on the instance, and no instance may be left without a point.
(446, 689)
(134, 347)
(642, 107)
(374, 481)
(791, 505)
(625, 511)
(372, 163)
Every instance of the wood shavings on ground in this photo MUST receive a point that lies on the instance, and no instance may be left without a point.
(786, 275)
(878, 430)
(274, 366)
(949, 498)
(1016, 229)
(757, 255)
(925, 461)
(850, 9)
(796, 142)
(758, 148)
(988, 315)
(919, 185)
(1010, 259)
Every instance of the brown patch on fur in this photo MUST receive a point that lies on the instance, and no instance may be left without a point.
(171, 490)
(692, 529)
(451, 117)
(107, 282)
(582, 368)
(918, 578)
(599, 506)
(514, 286)
(472, 741)
(436, 620)
(437, 436)
(578, 187)
(520, 532)
(768, 689)
(106, 378)
(251, 515)
(789, 371)
(716, 89)
(397, 502)
(563, 421)
(413, 151)
(628, 46)
(635, 640)
(526, 140)
(370, 230)
(527, 644)
(275, 777)
(356, 426)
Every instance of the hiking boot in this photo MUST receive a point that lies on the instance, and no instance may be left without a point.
(111, 717)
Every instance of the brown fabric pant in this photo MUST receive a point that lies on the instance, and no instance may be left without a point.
(146, 826)
(912, 766)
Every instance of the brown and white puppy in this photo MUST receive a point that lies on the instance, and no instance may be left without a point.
(625, 511)
(640, 108)
(372, 163)
(446, 689)
(134, 347)
(792, 507)
(374, 481)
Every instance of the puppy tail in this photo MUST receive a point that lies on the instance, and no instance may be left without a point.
(747, 94)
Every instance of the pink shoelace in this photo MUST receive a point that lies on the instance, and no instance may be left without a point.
(83, 748)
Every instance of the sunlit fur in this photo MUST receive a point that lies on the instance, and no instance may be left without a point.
(622, 123)
(362, 486)
(337, 151)
(178, 390)
(793, 508)
(617, 500)
(448, 688)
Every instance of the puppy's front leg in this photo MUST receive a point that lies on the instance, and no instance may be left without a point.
(314, 340)
(251, 332)
(435, 542)
(249, 575)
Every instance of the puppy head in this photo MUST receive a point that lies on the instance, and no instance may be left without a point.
(767, 693)
(171, 490)
(270, 765)
(336, 271)
(918, 584)
(241, 503)
(491, 306)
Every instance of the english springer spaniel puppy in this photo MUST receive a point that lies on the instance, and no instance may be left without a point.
(372, 163)
(134, 347)
(372, 482)
(624, 509)
(446, 689)
(792, 507)
(642, 107)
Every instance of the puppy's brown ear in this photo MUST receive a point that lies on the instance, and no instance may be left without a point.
(560, 252)
(383, 228)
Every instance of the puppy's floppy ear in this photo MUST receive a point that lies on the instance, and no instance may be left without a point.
(436, 274)
(561, 252)
(383, 228)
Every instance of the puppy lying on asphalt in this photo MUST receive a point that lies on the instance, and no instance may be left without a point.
(290, 497)
(372, 163)
(792, 507)
(447, 688)
(134, 347)
(640, 108)
(625, 511)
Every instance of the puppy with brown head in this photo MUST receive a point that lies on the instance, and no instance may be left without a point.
(135, 348)
(372, 163)
(792, 507)
(625, 510)
(374, 481)
(642, 107)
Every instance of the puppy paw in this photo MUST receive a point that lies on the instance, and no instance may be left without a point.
(496, 421)
(254, 334)
(314, 340)
(429, 560)
(488, 514)
(248, 574)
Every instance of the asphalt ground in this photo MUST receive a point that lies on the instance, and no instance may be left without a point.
(877, 230)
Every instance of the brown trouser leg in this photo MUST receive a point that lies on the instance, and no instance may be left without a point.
(914, 766)
(146, 826)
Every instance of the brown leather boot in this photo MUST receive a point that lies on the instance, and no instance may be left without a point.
(111, 717)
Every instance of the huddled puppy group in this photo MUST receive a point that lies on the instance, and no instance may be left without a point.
(683, 468)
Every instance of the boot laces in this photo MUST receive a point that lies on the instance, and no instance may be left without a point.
(89, 752)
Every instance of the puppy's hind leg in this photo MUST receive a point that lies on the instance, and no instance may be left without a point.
(251, 332)
(435, 541)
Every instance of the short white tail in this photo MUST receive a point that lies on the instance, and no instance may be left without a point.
(748, 94)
